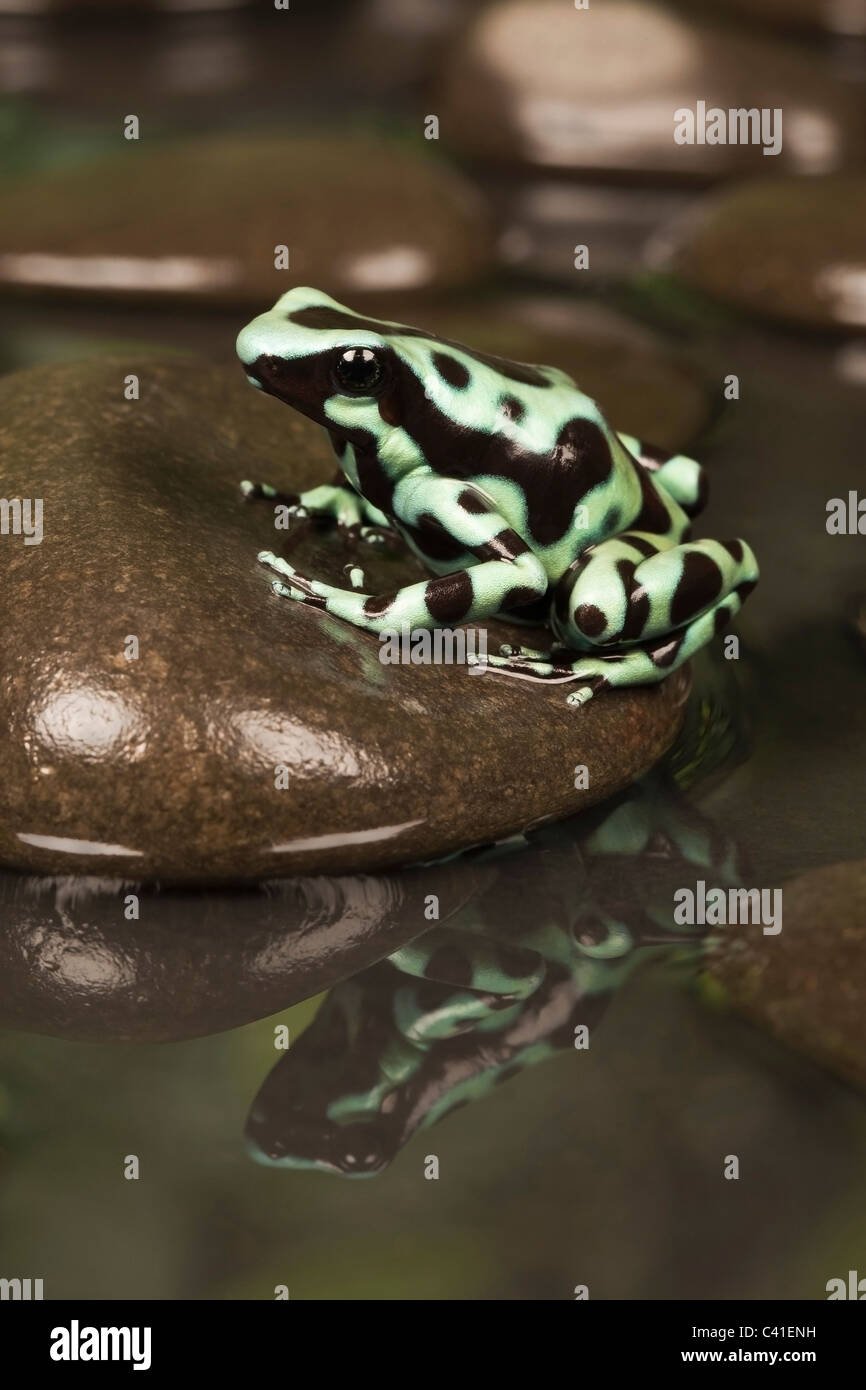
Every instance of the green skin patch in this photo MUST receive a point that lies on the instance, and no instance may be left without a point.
(509, 485)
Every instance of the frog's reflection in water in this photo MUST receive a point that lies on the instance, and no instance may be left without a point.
(444, 980)
(522, 971)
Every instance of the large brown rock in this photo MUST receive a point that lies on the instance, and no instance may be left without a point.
(791, 249)
(538, 83)
(164, 766)
(199, 219)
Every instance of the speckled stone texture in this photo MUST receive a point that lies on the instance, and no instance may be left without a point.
(806, 986)
(164, 767)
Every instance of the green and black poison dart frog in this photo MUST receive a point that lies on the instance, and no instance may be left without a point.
(509, 485)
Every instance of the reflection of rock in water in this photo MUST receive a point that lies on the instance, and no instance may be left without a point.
(73, 964)
(506, 985)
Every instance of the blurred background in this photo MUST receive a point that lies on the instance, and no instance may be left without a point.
(507, 174)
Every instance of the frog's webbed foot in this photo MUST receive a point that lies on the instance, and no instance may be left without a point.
(558, 649)
(263, 492)
(385, 537)
(553, 667)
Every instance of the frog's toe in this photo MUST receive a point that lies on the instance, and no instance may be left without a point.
(381, 536)
(538, 666)
(283, 591)
(355, 576)
(299, 586)
(254, 492)
(276, 562)
(589, 685)
(372, 535)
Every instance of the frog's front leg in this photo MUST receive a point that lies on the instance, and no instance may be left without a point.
(483, 976)
(328, 501)
(506, 573)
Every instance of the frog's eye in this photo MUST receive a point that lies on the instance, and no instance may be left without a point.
(359, 370)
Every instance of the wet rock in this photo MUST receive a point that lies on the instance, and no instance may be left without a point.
(200, 220)
(807, 985)
(791, 249)
(99, 959)
(167, 765)
(539, 83)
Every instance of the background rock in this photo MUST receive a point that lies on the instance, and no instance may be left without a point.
(807, 985)
(158, 221)
(792, 249)
(536, 82)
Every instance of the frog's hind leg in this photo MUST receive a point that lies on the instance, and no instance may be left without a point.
(682, 477)
(659, 612)
(646, 664)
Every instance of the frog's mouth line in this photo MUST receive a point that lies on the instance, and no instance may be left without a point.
(292, 381)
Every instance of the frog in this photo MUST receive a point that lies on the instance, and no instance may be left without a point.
(509, 485)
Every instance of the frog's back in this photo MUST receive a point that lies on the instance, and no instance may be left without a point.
(527, 437)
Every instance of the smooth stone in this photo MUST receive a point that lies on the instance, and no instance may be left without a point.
(199, 219)
(807, 985)
(96, 959)
(539, 83)
(164, 767)
(787, 249)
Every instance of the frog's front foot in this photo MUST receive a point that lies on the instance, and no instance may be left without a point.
(354, 518)
(263, 492)
(293, 584)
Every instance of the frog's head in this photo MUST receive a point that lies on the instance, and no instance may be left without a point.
(363, 378)
(331, 364)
